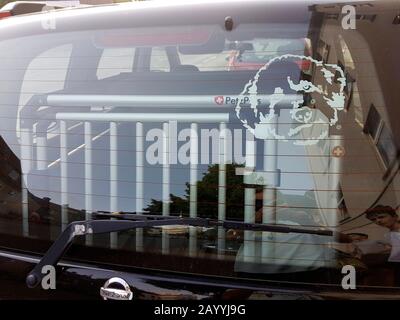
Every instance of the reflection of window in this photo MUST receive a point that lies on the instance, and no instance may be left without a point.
(347, 57)
(356, 103)
(348, 90)
(342, 208)
(337, 73)
(209, 61)
(46, 73)
(115, 61)
(159, 60)
(380, 133)
(323, 51)
(385, 145)
(373, 121)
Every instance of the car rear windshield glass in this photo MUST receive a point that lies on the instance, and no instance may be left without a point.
(264, 124)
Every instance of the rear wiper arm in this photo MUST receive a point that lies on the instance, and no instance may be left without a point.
(123, 222)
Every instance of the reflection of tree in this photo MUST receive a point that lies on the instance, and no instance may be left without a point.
(207, 195)
(177, 205)
(4, 2)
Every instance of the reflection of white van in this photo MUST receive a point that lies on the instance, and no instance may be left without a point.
(122, 129)
(24, 7)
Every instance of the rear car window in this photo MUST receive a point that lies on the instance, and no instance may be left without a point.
(283, 123)
(114, 61)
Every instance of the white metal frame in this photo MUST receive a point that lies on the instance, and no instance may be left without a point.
(167, 120)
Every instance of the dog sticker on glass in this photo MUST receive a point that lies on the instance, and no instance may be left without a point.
(298, 108)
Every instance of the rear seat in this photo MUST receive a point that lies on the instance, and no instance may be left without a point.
(173, 83)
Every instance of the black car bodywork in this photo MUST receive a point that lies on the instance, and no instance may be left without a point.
(39, 201)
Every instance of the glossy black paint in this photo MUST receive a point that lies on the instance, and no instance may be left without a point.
(77, 281)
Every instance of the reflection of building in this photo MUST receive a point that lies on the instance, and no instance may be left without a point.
(367, 127)
(10, 181)
(11, 204)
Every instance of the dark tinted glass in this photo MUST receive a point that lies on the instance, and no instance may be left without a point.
(268, 123)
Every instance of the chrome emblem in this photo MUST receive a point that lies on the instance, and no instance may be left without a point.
(110, 292)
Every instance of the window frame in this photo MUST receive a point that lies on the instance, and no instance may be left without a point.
(375, 139)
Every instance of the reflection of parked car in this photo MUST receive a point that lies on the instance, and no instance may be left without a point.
(253, 55)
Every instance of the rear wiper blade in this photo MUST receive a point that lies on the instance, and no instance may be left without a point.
(227, 224)
(123, 222)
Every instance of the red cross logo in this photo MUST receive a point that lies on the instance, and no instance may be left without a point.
(338, 151)
(219, 100)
